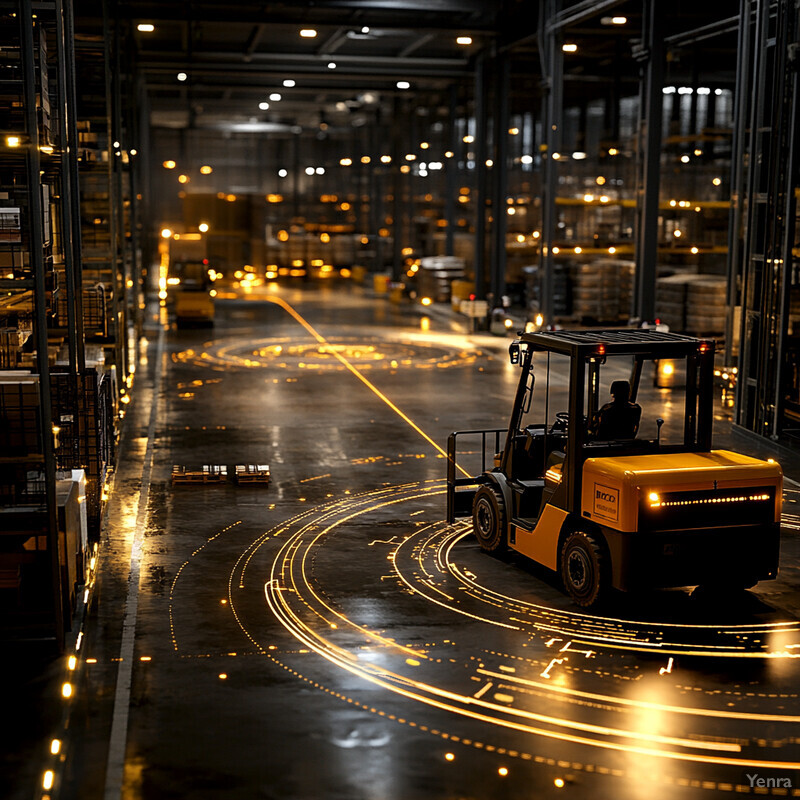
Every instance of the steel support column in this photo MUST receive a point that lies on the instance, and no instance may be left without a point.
(119, 144)
(74, 198)
(500, 176)
(67, 111)
(36, 236)
(738, 150)
(451, 176)
(649, 159)
(116, 307)
(553, 86)
(397, 192)
(481, 178)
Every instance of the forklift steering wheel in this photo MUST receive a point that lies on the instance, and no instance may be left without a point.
(561, 424)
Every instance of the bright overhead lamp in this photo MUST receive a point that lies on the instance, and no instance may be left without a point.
(345, 162)
(365, 30)
(309, 170)
(569, 48)
(282, 173)
(203, 227)
(403, 85)
(331, 65)
(170, 164)
(263, 106)
(145, 27)
(206, 169)
(464, 40)
(275, 97)
(308, 33)
(289, 83)
(181, 76)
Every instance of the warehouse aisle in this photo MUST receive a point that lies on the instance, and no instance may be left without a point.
(330, 618)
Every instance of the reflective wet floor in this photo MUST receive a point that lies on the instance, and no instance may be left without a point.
(329, 636)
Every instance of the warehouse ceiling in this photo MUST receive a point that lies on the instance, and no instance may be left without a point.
(215, 65)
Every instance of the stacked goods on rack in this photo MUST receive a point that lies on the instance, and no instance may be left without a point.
(597, 291)
(671, 300)
(706, 305)
(463, 246)
(436, 275)
(690, 303)
(627, 274)
(562, 305)
(83, 413)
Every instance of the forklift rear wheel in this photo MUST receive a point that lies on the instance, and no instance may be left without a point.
(488, 519)
(583, 568)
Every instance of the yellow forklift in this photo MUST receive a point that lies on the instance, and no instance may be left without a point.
(611, 496)
(192, 292)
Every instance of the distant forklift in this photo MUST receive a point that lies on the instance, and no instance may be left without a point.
(612, 497)
(192, 292)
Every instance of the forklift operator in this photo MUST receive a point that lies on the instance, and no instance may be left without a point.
(618, 419)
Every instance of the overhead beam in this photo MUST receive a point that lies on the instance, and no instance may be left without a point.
(438, 16)
(420, 41)
(231, 64)
(252, 41)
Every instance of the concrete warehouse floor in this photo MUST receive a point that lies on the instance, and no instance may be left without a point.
(329, 636)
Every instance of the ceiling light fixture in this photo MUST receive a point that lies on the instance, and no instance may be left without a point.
(308, 33)
(289, 83)
(275, 97)
(145, 27)
(569, 48)
(181, 76)
(403, 85)
(464, 40)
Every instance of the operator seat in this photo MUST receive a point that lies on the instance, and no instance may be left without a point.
(618, 419)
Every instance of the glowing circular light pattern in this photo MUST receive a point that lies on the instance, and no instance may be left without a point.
(432, 563)
(289, 354)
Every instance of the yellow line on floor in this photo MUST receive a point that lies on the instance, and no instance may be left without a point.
(371, 386)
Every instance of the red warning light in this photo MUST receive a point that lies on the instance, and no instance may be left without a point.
(601, 349)
(703, 347)
(205, 261)
(472, 297)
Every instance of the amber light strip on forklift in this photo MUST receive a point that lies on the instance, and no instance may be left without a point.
(707, 501)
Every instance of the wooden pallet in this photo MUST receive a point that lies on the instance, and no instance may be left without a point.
(210, 474)
(252, 474)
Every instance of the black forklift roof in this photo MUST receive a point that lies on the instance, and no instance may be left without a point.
(626, 341)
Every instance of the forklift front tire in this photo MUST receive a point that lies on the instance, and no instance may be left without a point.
(583, 569)
(489, 519)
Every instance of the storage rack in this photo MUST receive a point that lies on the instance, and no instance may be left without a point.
(63, 325)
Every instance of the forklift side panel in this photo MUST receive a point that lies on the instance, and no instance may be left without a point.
(613, 486)
(541, 544)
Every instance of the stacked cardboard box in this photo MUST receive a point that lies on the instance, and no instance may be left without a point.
(706, 306)
(436, 274)
(690, 303)
(602, 290)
